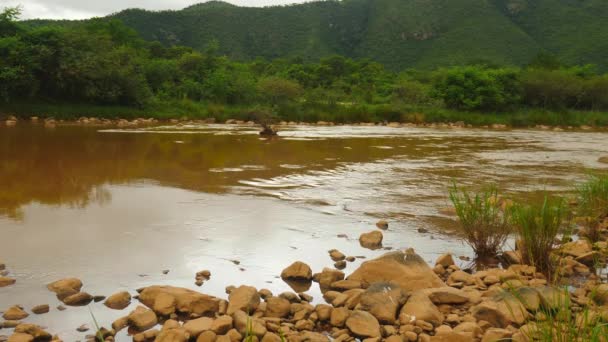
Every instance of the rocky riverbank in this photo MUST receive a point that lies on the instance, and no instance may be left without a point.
(12, 121)
(396, 297)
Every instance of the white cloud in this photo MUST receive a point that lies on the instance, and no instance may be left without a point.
(80, 9)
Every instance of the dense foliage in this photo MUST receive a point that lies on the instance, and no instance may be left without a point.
(397, 33)
(105, 63)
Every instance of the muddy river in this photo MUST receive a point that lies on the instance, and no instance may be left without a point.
(116, 207)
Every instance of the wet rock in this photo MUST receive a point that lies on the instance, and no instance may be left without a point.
(297, 271)
(118, 301)
(33, 330)
(351, 259)
(83, 328)
(196, 326)
(165, 272)
(371, 240)
(382, 224)
(405, 269)
(305, 297)
(165, 300)
(383, 301)
(61, 307)
(336, 255)
(363, 324)
(2, 266)
(41, 309)
(6, 281)
(327, 277)
(245, 298)
(65, 285)
(78, 299)
(142, 319)
(447, 295)
(278, 307)
(14, 313)
(420, 307)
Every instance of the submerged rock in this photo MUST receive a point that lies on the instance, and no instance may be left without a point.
(404, 269)
(382, 224)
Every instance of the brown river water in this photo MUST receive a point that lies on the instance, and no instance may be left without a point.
(116, 207)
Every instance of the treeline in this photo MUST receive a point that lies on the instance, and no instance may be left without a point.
(105, 63)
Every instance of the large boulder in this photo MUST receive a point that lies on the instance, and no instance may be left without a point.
(165, 300)
(371, 240)
(297, 271)
(363, 324)
(383, 300)
(118, 301)
(404, 269)
(245, 298)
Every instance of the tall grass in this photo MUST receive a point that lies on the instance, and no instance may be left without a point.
(538, 226)
(564, 322)
(593, 204)
(485, 224)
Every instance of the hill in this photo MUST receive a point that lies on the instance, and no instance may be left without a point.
(399, 33)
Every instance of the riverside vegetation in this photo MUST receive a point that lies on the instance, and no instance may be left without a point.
(551, 288)
(103, 68)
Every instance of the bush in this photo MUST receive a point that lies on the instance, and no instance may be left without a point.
(478, 88)
(538, 226)
(485, 224)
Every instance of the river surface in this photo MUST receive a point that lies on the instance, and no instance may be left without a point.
(116, 207)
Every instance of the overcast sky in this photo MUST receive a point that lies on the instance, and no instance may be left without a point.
(80, 9)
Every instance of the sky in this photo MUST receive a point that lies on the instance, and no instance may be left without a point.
(81, 9)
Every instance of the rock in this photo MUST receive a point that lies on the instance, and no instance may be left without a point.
(603, 159)
(78, 299)
(6, 281)
(445, 260)
(552, 298)
(207, 336)
(502, 313)
(340, 265)
(336, 255)
(420, 307)
(471, 328)
(120, 323)
(297, 271)
(9, 324)
(245, 298)
(65, 285)
(363, 324)
(512, 257)
(404, 269)
(61, 307)
(383, 300)
(576, 248)
(196, 326)
(496, 335)
(222, 325)
(452, 337)
(323, 312)
(529, 297)
(20, 337)
(271, 337)
(461, 277)
(83, 328)
(41, 309)
(265, 293)
(33, 330)
(327, 277)
(371, 240)
(382, 224)
(343, 285)
(245, 324)
(277, 307)
(447, 295)
(2, 266)
(176, 299)
(142, 319)
(338, 316)
(118, 301)
(173, 335)
(14, 313)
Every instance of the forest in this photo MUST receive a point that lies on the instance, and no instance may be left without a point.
(102, 67)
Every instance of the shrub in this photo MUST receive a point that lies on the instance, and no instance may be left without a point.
(478, 88)
(485, 224)
(538, 226)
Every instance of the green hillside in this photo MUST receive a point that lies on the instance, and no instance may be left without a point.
(398, 33)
